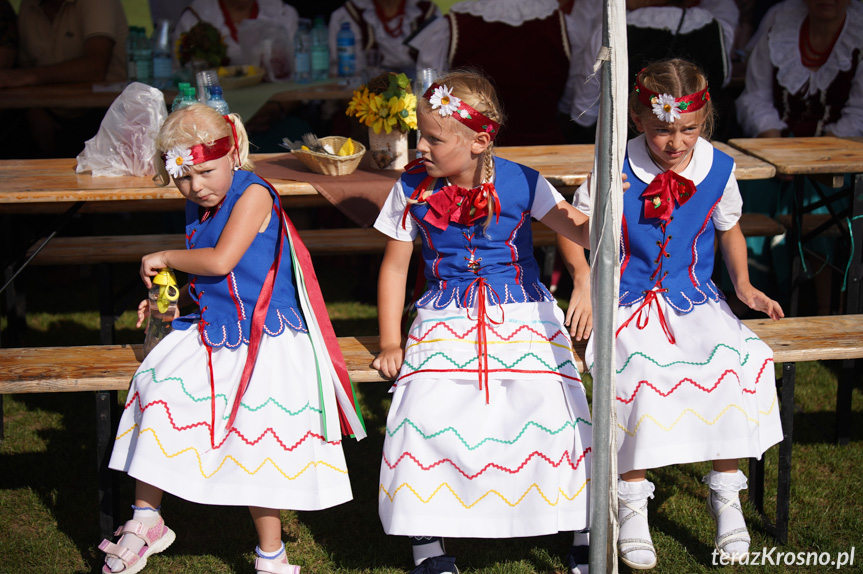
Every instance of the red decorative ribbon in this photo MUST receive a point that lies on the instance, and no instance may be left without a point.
(202, 152)
(685, 104)
(260, 314)
(666, 188)
(469, 116)
(454, 204)
(319, 308)
(482, 320)
(644, 314)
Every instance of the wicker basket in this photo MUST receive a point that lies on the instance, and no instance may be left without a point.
(327, 164)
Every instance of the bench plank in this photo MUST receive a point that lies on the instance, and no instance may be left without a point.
(110, 367)
(91, 250)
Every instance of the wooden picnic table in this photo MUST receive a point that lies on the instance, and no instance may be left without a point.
(83, 95)
(827, 160)
(51, 185)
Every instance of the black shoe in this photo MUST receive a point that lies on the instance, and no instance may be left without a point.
(437, 565)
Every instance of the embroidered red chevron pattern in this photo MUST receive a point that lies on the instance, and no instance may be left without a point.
(696, 385)
(424, 336)
(509, 371)
(241, 436)
(534, 454)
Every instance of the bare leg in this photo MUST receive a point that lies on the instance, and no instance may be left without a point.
(147, 495)
(633, 475)
(727, 465)
(268, 523)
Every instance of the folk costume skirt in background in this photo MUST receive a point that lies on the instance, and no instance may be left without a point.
(274, 457)
(709, 396)
(463, 463)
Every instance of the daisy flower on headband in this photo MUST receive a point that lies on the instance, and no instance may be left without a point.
(665, 108)
(443, 100)
(178, 161)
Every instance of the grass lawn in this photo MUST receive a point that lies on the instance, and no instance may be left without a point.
(48, 479)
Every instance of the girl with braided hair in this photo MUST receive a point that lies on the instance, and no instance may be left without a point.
(488, 434)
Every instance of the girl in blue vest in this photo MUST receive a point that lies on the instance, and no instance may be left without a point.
(693, 383)
(240, 404)
(488, 434)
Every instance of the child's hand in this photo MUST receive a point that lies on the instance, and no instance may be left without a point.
(623, 180)
(579, 314)
(150, 266)
(143, 312)
(389, 361)
(758, 301)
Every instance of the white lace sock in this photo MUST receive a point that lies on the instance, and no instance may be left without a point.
(634, 542)
(425, 547)
(732, 537)
(146, 516)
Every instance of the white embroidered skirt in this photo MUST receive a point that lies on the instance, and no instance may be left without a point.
(711, 395)
(455, 465)
(274, 457)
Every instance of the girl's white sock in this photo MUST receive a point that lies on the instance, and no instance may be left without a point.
(732, 537)
(634, 542)
(425, 547)
(146, 516)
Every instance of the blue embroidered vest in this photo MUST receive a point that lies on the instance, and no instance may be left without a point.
(502, 254)
(677, 256)
(227, 302)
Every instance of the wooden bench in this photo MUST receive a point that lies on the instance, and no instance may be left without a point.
(348, 241)
(106, 369)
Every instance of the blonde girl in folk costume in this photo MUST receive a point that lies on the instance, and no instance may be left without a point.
(241, 403)
(693, 383)
(488, 434)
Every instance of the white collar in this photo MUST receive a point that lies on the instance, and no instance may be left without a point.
(783, 44)
(644, 168)
(367, 7)
(512, 12)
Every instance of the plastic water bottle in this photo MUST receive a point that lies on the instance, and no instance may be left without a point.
(320, 50)
(131, 68)
(217, 102)
(303, 53)
(181, 95)
(143, 55)
(346, 46)
(162, 64)
(162, 297)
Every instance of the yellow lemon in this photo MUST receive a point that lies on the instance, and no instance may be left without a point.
(347, 148)
(304, 148)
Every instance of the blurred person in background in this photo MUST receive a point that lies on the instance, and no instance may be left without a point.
(64, 41)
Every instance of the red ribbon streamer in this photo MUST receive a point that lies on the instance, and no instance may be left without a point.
(649, 298)
(482, 319)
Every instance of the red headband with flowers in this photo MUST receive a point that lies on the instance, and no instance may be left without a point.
(442, 99)
(179, 160)
(665, 106)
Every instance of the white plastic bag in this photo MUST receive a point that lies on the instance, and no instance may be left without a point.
(266, 44)
(126, 141)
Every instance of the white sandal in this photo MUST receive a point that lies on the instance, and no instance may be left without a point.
(722, 541)
(626, 546)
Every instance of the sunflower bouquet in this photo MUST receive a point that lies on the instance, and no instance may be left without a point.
(386, 102)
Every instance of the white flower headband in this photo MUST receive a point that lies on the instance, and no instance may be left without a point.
(178, 161)
(441, 98)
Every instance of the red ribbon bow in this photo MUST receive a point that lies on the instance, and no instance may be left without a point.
(454, 204)
(666, 188)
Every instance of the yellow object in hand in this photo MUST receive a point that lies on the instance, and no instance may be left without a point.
(347, 148)
(168, 291)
